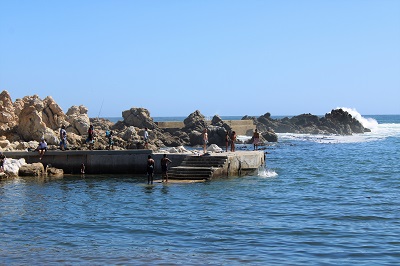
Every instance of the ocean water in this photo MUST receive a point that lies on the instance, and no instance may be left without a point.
(318, 201)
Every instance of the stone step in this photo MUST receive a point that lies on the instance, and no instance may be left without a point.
(197, 167)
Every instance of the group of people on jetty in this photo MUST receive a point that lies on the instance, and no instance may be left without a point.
(230, 140)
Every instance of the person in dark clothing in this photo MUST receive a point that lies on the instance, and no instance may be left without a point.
(150, 170)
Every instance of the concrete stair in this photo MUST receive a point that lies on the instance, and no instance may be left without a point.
(197, 167)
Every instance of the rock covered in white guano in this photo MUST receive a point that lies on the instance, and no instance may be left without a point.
(11, 166)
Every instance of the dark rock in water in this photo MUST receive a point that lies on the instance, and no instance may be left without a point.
(270, 136)
(336, 122)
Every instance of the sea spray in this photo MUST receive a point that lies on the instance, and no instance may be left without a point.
(263, 172)
(369, 123)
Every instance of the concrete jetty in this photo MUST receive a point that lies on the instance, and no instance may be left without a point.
(183, 166)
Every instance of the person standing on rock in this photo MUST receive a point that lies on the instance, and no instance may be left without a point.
(164, 168)
(256, 139)
(90, 138)
(63, 137)
(146, 138)
(2, 160)
(233, 139)
(205, 140)
(150, 170)
(42, 148)
(227, 139)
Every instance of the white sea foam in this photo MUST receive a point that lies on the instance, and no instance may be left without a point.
(366, 122)
(382, 131)
(262, 172)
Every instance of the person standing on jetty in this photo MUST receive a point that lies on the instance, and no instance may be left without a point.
(227, 139)
(164, 168)
(205, 140)
(42, 148)
(233, 139)
(146, 138)
(256, 139)
(150, 170)
(63, 137)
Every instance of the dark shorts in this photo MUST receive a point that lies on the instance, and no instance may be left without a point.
(164, 168)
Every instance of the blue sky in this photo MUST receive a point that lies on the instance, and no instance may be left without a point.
(219, 57)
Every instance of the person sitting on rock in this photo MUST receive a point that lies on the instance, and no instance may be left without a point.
(42, 148)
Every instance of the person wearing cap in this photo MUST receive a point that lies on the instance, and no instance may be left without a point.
(42, 148)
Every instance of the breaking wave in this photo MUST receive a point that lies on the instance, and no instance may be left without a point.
(366, 122)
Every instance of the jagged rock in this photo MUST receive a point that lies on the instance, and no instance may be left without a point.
(270, 136)
(52, 114)
(54, 172)
(129, 133)
(34, 169)
(336, 122)
(195, 121)
(8, 118)
(138, 117)
(216, 135)
(78, 119)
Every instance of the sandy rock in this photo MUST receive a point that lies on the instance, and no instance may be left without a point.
(3, 175)
(8, 119)
(129, 133)
(79, 120)
(52, 114)
(138, 117)
(4, 143)
(31, 125)
(35, 169)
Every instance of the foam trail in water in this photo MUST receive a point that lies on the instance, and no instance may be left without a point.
(262, 172)
(366, 122)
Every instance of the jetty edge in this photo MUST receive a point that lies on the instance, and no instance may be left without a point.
(184, 166)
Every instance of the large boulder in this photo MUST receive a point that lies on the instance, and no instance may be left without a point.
(78, 119)
(195, 121)
(34, 169)
(52, 114)
(138, 117)
(31, 125)
(12, 166)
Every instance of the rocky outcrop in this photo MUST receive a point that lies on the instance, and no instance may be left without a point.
(138, 117)
(336, 122)
(8, 118)
(78, 119)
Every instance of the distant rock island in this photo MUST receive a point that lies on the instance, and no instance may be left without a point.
(25, 121)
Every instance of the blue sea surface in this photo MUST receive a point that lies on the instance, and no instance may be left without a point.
(319, 200)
